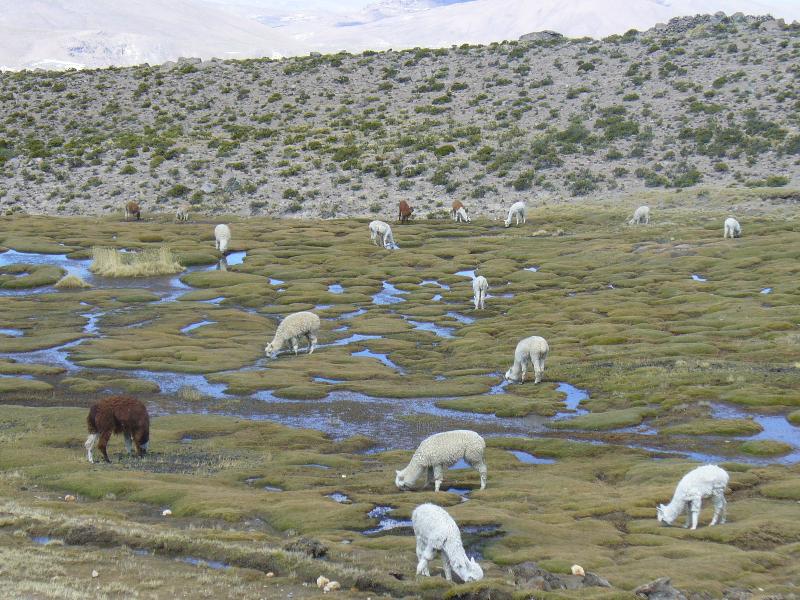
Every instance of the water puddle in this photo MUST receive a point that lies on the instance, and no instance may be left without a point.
(463, 319)
(442, 332)
(530, 459)
(327, 380)
(273, 281)
(574, 397)
(356, 337)
(217, 300)
(499, 388)
(774, 427)
(339, 497)
(463, 492)
(316, 466)
(12, 332)
(42, 540)
(72, 266)
(235, 258)
(323, 306)
(766, 291)
(444, 286)
(437, 298)
(353, 314)
(335, 289)
(381, 357)
(272, 488)
(388, 295)
(532, 269)
(461, 464)
(470, 274)
(199, 562)
(197, 325)
(385, 523)
(699, 278)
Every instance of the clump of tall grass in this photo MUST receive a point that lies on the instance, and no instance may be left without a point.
(110, 262)
(69, 282)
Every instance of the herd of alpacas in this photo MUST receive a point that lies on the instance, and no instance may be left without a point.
(434, 529)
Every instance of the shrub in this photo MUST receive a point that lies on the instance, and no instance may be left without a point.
(444, 150)
(71, 282)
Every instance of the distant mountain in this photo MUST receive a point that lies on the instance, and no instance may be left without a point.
(85, 33)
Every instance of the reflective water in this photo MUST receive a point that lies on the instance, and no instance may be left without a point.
(339, 497)
(385, 523)
(442, 332)
(388, 295)
(335, 289)
(574, 397)
(381, 357)
(444, 286)
(464, 319)
(197, 325)
(698, 278)
(12, 332)
(470, 274)
(530, 459)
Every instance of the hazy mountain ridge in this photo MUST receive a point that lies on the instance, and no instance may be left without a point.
(700, 101)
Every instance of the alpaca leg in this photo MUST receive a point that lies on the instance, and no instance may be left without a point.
(538, 369)
(695, 510)
(438, 476)
(89, 445)
(523, 371)
(483, 473)
(720, 508)
(483, 299)
(312, 342)
(128, 442)
(104, 437)
(428, 476)
(448, 574)
(424, 558)
(295, 345)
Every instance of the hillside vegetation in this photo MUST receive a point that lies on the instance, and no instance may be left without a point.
(709, 101)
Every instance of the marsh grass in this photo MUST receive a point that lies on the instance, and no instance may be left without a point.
(110, 262)
(69, 282)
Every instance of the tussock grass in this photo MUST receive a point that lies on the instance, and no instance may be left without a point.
(110, 262)
(69, 282)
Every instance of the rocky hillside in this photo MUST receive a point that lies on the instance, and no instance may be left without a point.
(711, 101)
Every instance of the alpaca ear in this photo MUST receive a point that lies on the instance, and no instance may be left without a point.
(397, 473)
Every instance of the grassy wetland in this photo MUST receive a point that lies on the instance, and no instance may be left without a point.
(669, 347)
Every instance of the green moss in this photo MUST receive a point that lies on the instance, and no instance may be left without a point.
(734, 427)
(765, 448)
(612, 419)
(21, 276)
(18, 385)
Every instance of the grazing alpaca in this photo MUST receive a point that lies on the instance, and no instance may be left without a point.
(380, 230)
(117, 414)
(436, 530)
(132, 210)
(291, 328)
(533, 349)
(479, 288)
(457, 205)
(517, 210)
(222, 236)
(404, 213)
(732, 228)
(182, 214)
(641, 216)
(461, 215)
(699, 483)
(442, 450)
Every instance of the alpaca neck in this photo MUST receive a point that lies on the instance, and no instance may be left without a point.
(674, 508)
(413, 472)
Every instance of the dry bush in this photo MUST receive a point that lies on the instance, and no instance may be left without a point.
(110, 262)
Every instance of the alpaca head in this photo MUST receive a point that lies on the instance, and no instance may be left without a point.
(472, 571)
(400, 481)
(507, 222)
(271, 351)
(661, 515)
(512, 375)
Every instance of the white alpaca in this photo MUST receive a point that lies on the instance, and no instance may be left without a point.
(291, 328)
(182, 214)
(436, 530)
(732, 228)
(533, 349)
(222, 236)
(479, 289)
(699, 483)
(461, 215)
(442, 450)
(381, 231)
(641, 216)
(517, 210)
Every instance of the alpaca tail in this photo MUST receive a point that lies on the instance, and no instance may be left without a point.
(90, 419)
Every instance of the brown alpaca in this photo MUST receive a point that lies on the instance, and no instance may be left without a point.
(132, 210)
(456, 205)
(404, 212)
(118, 414)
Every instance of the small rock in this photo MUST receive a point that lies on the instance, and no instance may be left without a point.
(594, 580)
(95, 574)
(344, 476)
(332, 586)
(322, 581)
(270, 574)
(166, 513)
(69, 498)
(578, 570)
